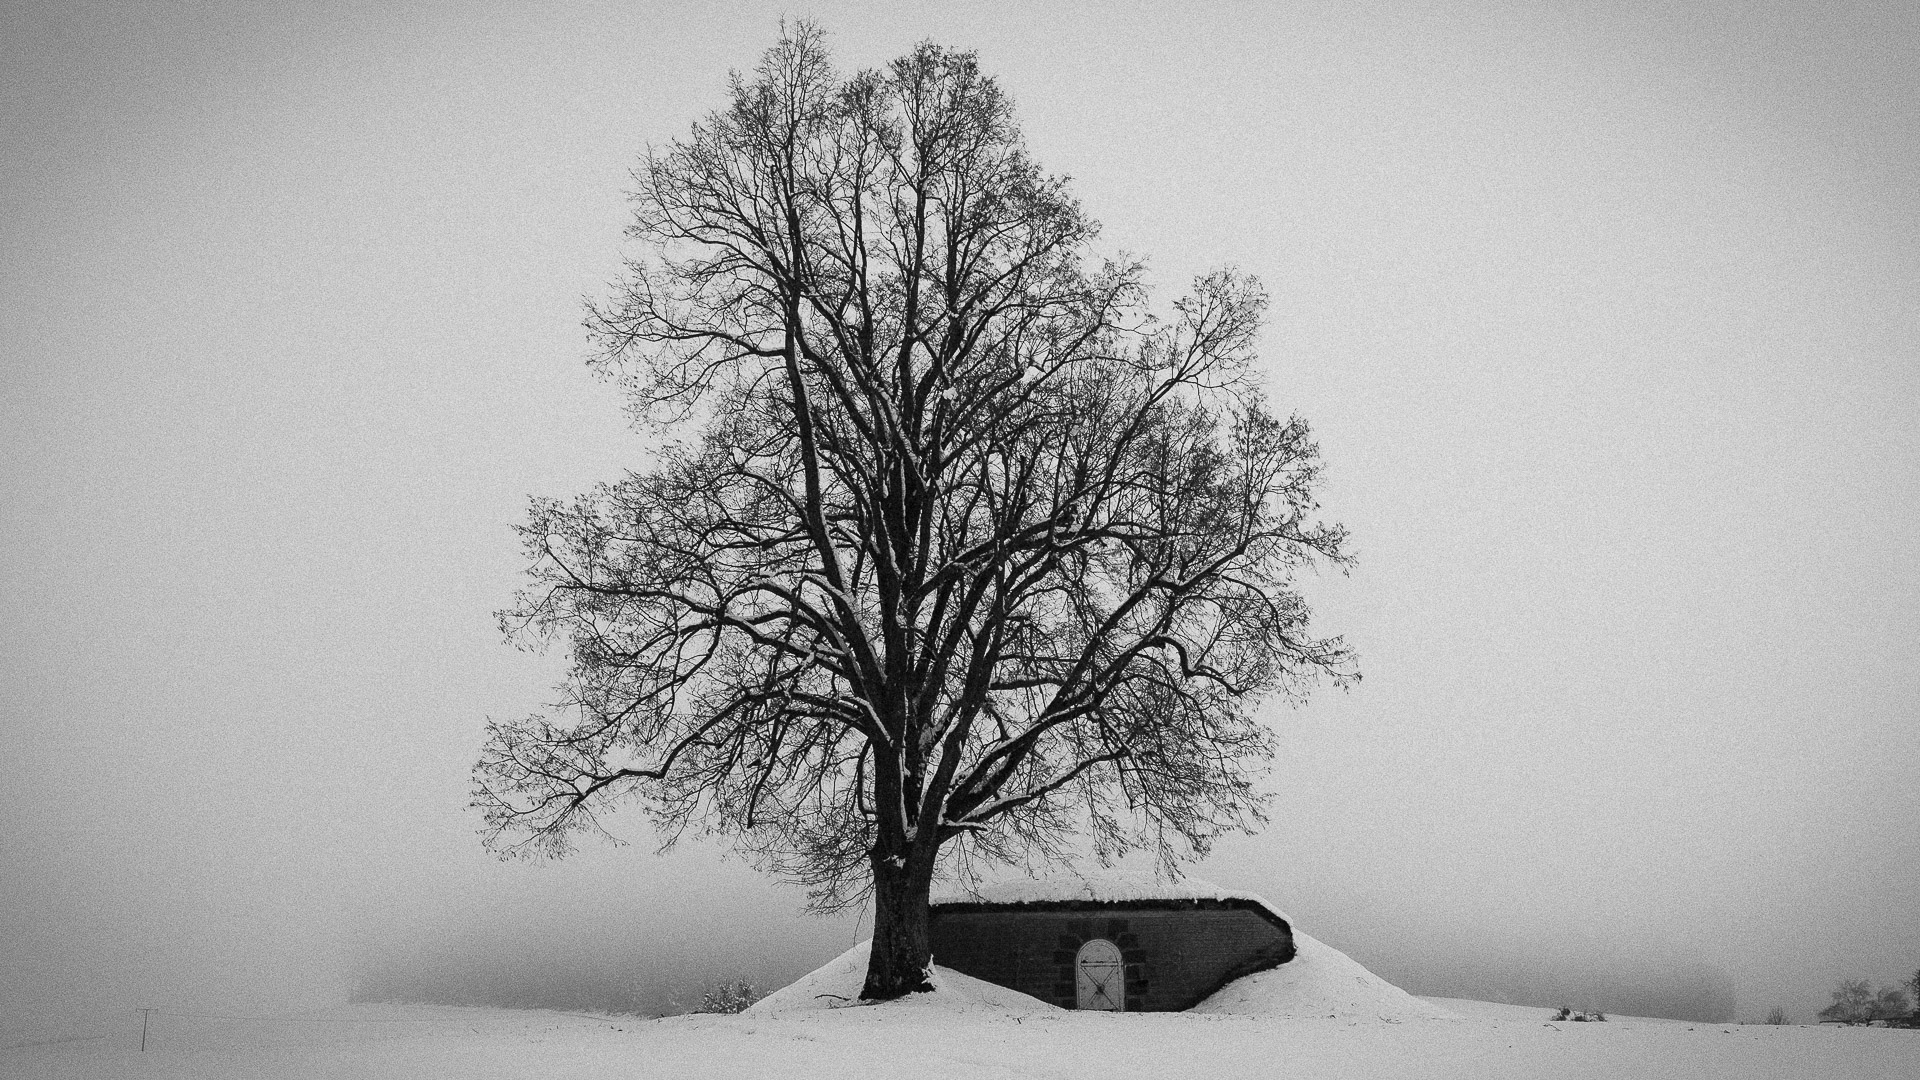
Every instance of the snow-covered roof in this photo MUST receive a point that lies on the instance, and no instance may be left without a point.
(1110, 888)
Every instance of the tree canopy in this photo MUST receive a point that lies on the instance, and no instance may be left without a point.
(949, 551)
(1856, 1002)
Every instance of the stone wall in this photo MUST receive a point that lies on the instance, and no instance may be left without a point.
(1175, 956)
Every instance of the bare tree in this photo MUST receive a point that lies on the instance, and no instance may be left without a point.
(1856, 1002)
(969, 553)
(1852, 1003)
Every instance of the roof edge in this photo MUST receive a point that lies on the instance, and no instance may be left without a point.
(1209, 903)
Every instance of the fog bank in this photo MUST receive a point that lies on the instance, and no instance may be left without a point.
(1603, 314)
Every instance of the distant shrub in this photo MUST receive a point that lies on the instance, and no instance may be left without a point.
(1777, 1016)
(731, 996)
(1855, 1002)
(1594, 1017)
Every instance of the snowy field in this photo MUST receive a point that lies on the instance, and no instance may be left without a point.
(916, 1040)
(1321, 1015)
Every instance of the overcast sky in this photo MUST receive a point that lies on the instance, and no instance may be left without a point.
(1605, 315)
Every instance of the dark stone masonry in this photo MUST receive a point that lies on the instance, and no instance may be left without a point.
(1173, 953)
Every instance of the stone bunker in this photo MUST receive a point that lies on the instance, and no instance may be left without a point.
(1120, 944)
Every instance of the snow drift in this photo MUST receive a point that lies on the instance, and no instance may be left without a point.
(836, 984)
(1319, 981)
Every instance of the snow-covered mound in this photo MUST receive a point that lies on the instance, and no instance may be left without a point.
(1319, 981)
(836, 984)
(1111, 888)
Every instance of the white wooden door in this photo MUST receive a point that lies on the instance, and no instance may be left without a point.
(1100, 977)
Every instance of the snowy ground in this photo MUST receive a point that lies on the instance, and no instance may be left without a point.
(1322, 1015)
(378, 1042)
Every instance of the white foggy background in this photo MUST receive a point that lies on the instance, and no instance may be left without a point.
(1605, 315)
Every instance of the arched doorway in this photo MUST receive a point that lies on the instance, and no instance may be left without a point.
(1100, 977)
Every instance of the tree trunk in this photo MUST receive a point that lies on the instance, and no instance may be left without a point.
(902, 947)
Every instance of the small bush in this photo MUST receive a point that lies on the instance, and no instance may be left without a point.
(1594, 1017)
(731, 996)
(1777, 1016)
